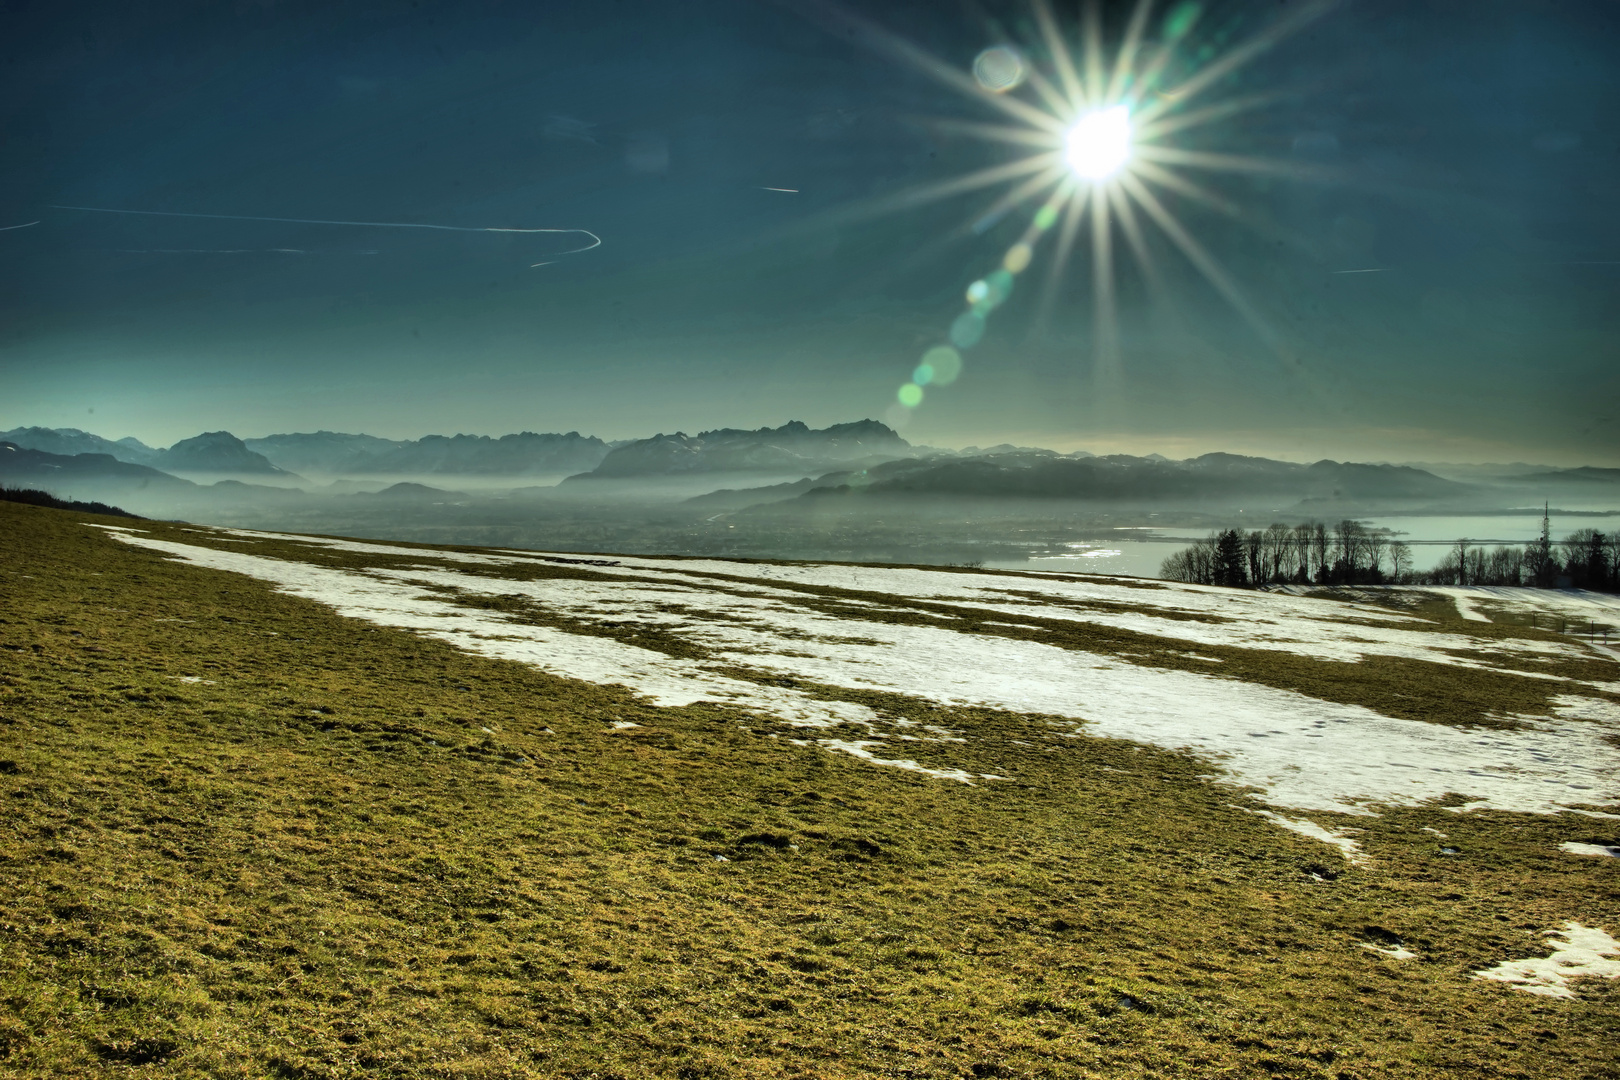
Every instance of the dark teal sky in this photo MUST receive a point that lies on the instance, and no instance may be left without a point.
(1476, 148)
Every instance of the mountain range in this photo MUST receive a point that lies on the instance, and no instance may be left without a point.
(63, 474)
(862, 465)
(70, 441)
(524, 454)
(1115, 480)
(791, 448)
(210, 452)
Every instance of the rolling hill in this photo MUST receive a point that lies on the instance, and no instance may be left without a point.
(304, 806)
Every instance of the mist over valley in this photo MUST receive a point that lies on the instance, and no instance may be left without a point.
(854, 491)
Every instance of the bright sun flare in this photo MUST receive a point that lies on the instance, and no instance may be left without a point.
(1099, 144)
(1100, 136)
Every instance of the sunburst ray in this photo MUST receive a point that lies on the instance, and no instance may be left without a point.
(1206, 263)
(1004, 133)
(1237, 57)
(1052, 35)
(1105, 332)
(1194, 118)
(1106, 127)
(1094, 73)
(923, 194)
(1125, 61)
(1238, 163)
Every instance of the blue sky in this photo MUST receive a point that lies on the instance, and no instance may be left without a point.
(1472, 151)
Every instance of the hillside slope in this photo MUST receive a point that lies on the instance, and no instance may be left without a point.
(328, 813)
(95, 475)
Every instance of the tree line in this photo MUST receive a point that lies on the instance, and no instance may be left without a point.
(1351, 553)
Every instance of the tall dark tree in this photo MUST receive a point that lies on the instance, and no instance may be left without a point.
(1230, 560)
(1586, 559)
(1254, 550)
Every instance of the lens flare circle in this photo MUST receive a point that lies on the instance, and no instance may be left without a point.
(1099, 144)
(999, 69)
(967, 329)
(944, 364)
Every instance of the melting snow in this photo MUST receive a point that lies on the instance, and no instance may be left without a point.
(1577, 608)
(1350, 849)
(859, 749)
(1395, 952)
(1300, 752)
(1574, 848)
(1582, 953)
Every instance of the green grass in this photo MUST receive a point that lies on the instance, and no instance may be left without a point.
(318, 864)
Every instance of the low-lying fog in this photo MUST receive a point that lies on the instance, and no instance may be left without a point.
(850, 492)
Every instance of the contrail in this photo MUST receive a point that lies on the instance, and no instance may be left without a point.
(596, 241)
(1374, 270)
(24, 225)
(235, 251)
(789, 190)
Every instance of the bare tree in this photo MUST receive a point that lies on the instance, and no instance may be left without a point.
(1376, 543)
(1254, 545)
(1400, 561)
(1350, 552)
(1355, 552)
(1302, 536)
(1586, 561)
(1195, 564)
(1504, 567)
(1278, 550)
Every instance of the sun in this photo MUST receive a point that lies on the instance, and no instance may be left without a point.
(1102, 156)
(1099, 143)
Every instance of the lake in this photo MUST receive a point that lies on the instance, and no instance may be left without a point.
(1139, 551)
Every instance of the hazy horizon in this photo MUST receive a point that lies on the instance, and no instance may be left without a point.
(1174, 447)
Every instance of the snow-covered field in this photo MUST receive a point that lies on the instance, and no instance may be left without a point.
(792, 646)
(749, 624)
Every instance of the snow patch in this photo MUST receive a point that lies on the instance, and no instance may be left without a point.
(1574, 848)
(1350, 849)
(1580, 954)
(1394, 952)
(859, 749)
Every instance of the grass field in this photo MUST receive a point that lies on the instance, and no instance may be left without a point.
(242, 834)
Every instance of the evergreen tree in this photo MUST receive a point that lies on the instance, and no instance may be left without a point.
(1230, 560)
